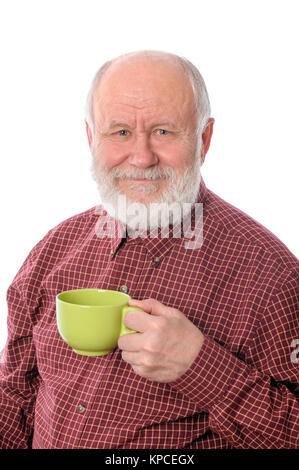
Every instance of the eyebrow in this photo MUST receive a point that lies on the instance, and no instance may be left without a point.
(163, 123)
(118, 124)
(114, 124)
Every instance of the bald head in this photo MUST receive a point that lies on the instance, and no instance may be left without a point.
(154, 67)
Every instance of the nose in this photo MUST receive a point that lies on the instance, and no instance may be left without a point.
(142, 155)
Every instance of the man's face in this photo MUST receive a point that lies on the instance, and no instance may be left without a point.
(145, 143)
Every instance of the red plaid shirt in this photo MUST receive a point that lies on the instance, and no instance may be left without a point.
(240, 288)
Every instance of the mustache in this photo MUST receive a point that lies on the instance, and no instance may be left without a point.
(146, 173)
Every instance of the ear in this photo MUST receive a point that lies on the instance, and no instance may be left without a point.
(206, 138)
(89, 134)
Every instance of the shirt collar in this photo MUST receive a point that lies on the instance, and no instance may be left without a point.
(158, 245)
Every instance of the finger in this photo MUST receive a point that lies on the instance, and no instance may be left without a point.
(130, 357)
(131, 342)
(137, 320)
(151, 306)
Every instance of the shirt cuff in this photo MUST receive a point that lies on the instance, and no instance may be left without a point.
(212, 373)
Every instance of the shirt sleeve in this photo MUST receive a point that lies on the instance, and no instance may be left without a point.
(253, 404)
(19, 378)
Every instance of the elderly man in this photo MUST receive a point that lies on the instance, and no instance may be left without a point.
(213, 362)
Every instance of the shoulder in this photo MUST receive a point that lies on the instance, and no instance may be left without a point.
(73, 229)
(79, 220)
(58, 241)
(63, 240)
(237, 228)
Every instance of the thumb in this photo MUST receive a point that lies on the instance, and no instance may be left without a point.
(152, 306)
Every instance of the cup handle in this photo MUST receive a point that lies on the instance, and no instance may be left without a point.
(123, 329)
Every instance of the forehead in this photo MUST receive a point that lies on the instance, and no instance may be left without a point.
(144, 88)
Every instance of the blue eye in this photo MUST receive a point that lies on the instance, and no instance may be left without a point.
(162, 132)
(122, 132)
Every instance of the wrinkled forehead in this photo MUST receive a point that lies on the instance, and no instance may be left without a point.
(144, 85)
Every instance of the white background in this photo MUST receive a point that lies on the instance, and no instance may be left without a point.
(247, 51)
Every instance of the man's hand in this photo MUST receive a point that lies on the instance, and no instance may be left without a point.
(166, 342)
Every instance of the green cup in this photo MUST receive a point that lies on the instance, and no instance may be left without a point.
(91, 320)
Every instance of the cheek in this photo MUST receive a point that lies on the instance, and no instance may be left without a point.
(175, 154)
(110, 154)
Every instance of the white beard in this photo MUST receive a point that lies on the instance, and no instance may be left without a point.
(167, 209)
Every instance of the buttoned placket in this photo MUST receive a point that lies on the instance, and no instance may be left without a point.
(81, 409)
(79, 420)
(84, 408)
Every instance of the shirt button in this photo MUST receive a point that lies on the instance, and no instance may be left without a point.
(124, 289)
(157, 259)
(81, 409)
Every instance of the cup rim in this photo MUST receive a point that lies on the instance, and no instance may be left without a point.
(92, 289)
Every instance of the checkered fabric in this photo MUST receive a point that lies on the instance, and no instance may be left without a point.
(240, 288)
